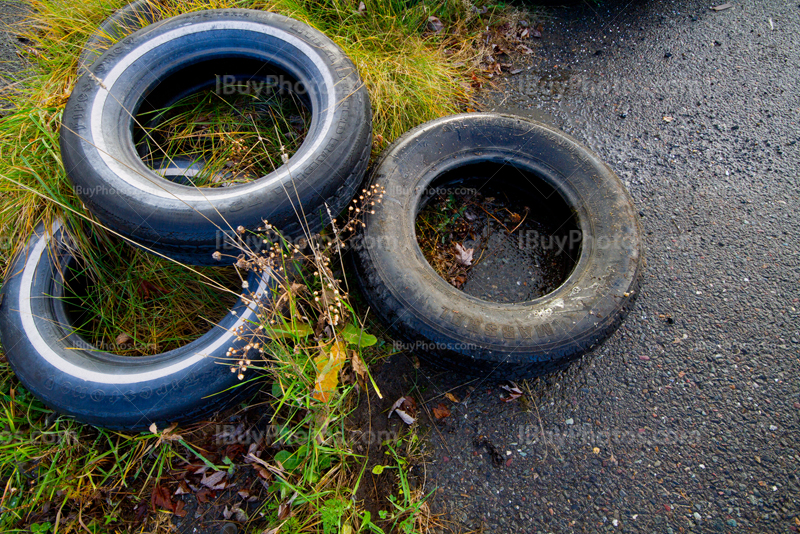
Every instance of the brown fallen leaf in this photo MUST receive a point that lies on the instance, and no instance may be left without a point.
(179, 511)
(434, 24)
(166, 434)
(358, 366)
(146, 288)
(122, 339)
(441, 411)
(160, 499)
(451, 397)
(205, 495)
(263, 472)
(183, 488)
(667, 118)
(513, 392)
(284, 510)
(215, 481)
(722, 7)
(406, 409)
(464, 255)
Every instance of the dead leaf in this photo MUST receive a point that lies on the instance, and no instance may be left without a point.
(329, 363)
(179, 511)
(362, 7)
(205, 495)
(434, 24)
(358, 365)
(166, 435)
(263, 472)
(160, 499)
(536, 33)
(215, 480)
(146, 288)
(441, 411)
(122, 339)
(406, 409)
(284, 510)
(722, 7)
(183, 489)
(270, 469)
(513, 392)
(464, 255)
(667, 118)
(451, 397)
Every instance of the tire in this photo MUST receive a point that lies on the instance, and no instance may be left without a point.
(475, 336)
(158, 65)
(75, 378)
(122, 22)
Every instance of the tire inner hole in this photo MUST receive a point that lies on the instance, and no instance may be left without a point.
(227, 129)
(130, 303)
(497, 232)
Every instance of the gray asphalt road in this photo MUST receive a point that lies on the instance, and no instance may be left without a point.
(686, 420)
(10, 13)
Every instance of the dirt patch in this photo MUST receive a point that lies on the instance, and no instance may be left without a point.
(496, 244)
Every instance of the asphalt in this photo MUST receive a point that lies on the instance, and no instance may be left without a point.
(10, 61)
(686, 419)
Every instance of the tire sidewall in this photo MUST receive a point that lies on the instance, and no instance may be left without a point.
(75, 378)
(115, 184)
(426, 308)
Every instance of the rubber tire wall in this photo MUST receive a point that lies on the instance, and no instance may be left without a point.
(116, 392)
(471, 335)
(183, 222)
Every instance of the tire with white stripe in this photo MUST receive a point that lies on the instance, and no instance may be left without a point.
(157, 65)
(75, 378)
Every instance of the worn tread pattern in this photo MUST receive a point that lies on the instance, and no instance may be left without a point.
(191, 232)
(407, 303)
(93, 390)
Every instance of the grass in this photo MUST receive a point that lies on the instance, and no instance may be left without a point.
(231, 139)
(58, 475)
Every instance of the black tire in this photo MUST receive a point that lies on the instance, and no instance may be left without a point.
(124, 21)
(163, 62)
(75, 378)
(475, 336)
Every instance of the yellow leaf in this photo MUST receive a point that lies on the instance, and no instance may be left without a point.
(329, 363)
(451, 397)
